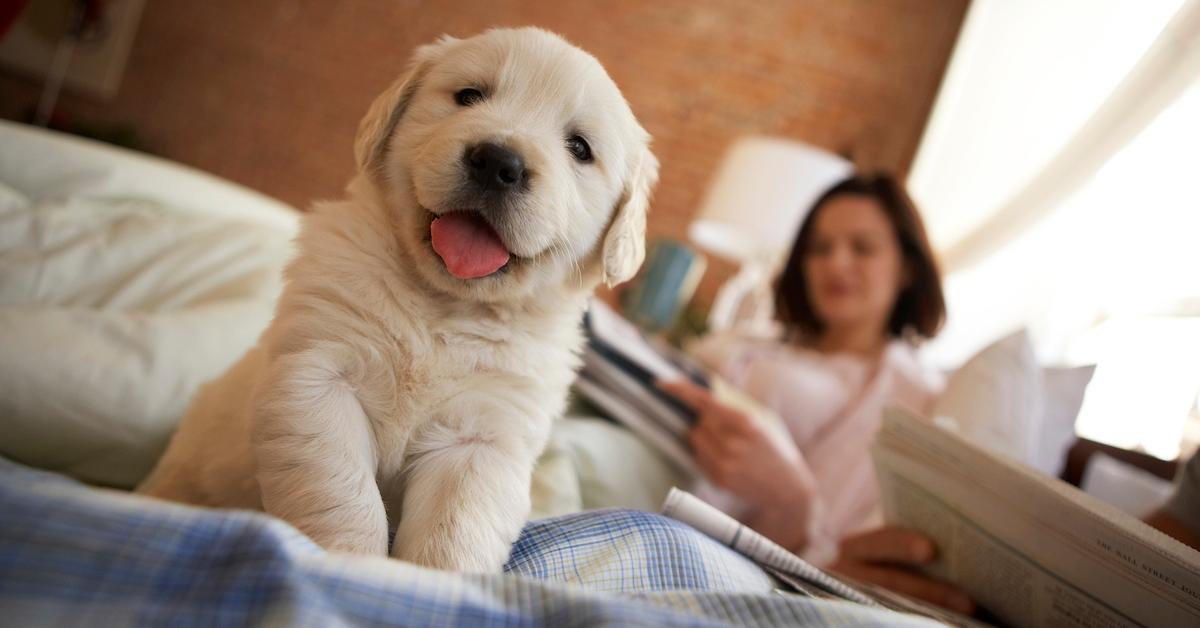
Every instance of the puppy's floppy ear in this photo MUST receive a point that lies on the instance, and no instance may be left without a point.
(625, 242)
(370, 145)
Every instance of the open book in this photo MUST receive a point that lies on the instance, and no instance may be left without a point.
(620, 367)
(1032, 550)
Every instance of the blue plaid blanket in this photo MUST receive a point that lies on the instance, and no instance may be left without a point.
(76, 555)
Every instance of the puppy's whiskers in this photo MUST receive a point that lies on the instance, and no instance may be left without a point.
(557, 250)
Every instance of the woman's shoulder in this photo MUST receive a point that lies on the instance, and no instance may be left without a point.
(910, 375)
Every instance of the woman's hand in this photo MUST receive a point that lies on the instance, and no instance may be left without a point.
(739, 454)
(887, 557)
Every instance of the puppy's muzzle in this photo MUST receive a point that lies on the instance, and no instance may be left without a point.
(495, 168)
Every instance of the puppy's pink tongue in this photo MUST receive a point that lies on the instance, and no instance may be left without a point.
(467, 245)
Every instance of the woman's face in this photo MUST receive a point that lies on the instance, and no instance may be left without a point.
(854, 267)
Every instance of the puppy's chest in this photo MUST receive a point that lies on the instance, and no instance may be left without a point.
(442, 367)
(431, 387)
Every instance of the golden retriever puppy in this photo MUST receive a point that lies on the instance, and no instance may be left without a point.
(430, 324)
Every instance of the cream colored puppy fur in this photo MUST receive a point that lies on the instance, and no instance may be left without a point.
(388, 392)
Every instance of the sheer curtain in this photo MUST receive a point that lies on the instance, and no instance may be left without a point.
(1060, 176)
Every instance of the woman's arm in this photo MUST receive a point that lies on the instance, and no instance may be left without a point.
(740, 454)
(737, 453)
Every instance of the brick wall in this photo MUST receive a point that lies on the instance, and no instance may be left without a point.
(268, 94)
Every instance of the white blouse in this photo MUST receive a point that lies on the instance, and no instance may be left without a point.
(832, 405)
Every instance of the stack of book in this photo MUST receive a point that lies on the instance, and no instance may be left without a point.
(621, 366)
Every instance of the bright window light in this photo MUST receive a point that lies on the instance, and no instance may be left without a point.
(1112, 277)
(1147, 379)
(1025, 76)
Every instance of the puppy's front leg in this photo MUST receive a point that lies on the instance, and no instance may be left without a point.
(467, 487)
(315, 455)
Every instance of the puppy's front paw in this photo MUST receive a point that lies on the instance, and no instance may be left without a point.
(453, 551)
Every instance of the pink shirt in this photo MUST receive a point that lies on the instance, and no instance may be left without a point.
(832, 405)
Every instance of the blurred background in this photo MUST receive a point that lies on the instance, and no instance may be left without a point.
(1050, 146)
(269, 94)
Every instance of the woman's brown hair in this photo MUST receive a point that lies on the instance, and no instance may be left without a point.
(920, 307)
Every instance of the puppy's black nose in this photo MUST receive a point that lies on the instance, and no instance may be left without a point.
(495, 167)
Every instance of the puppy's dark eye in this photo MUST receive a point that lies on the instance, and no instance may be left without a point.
(467, 97)
(579, 148)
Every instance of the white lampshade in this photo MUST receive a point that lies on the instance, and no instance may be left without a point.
(759, 196)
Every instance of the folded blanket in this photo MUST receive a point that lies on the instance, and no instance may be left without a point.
(75, 555)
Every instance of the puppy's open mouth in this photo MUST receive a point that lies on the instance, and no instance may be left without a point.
(468, 245)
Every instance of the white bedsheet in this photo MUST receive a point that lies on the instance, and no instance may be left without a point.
(125, 282)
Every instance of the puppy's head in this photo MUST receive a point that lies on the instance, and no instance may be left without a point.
(510, 163)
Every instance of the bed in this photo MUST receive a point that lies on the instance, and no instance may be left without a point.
(125, 282)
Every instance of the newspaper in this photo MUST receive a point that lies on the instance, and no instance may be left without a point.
(685, 507)
(1032, 550)
(800, 575)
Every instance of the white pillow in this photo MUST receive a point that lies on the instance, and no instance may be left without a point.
(125, 282)
(1064, 389)
(996, 398)
(114, 311)
(1003, 401)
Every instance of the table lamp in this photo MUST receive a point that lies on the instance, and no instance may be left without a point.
(763, 188)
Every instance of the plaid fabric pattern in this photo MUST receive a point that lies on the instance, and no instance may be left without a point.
(76, 555)
(608, 550)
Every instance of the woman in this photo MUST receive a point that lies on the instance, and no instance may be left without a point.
(859, 288)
